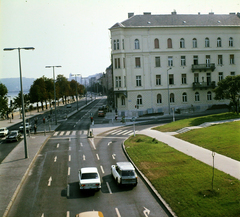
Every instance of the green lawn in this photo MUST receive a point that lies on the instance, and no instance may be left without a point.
(222, 138)
(184, 182)
(177, 125)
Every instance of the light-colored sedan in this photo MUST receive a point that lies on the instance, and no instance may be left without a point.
(3, 131)
(90, 214)
(89, 178)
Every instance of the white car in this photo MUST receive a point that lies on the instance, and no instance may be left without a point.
(90, 214)
(124, 173)
(89, 178)
(28, 127)
(3, 131)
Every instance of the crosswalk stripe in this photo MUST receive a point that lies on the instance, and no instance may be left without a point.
(123, 131)
(67, 133)
(62, 133)
(128, 132)
(55, 133)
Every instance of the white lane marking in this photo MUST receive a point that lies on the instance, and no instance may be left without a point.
(69, 168)
(58, 145)
(113, 156)
(42, 215)
(70, 148)
(69, 158)
(130, 131)
(123, 131)
(67, 133)
(68, 190)
(111, 131)
(73, 133)
(84, 158)
(97, 157)
(69, 139)
(102, 169)
(146, 212)
(62, 133)
(109, 143)
(49, 181)
(55, 159)
(109, 189)
(94, 147)
(81, 144)
(55, 133)
(118, 213)
(68, 214)
(115, 132)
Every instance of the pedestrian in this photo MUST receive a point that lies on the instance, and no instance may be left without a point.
(35, 128)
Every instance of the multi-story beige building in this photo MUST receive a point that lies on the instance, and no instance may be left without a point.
(161, 62)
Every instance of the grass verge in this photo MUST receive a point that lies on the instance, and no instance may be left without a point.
(177, 125)
(223, 138)
(184, 182)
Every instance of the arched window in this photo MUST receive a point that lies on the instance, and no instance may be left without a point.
(194, 43)
(209, 95)
(156, 43)
(159, 98)
(117, 44)
(197, 97)
(169, 43)
(184, 97)
(172, 97)
(139, 100)
(207, 42)
(123, 100)
(219, 42)
(230, 42)
(114, 45)
(137, 45)
(182, 43)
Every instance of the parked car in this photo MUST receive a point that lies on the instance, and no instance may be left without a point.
(3, 131)
(13, 136)
(124, 173)
(69, 106)
(90, 214)
(27, 126)
(89, 178)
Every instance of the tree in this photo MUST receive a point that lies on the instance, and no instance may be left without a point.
(63, 87)
(229, 88)
(3, 99)
(17, 103)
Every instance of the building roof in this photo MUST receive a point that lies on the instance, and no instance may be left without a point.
(176, 20)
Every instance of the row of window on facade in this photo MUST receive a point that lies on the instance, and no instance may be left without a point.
(118, 79)
(117, 61)
(171, 97)
(116, 43)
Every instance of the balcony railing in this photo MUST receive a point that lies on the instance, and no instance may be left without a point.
(204, 85)
(203, 67)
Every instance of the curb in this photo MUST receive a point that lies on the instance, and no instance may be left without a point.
(154, 191)
(23, 178)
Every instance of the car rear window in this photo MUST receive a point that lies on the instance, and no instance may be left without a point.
(89, 176)
(128, 173)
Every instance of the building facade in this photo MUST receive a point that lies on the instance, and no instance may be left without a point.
(166, 62)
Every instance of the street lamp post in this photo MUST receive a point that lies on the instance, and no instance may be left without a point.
(23, 107)
(76, 87)
(168, 91)
(54, 90)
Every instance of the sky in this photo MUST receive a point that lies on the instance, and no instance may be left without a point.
(75, 33)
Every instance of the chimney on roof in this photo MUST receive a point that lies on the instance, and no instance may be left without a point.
(199, 13)
(146, 13)
(130, 15)
(232, 13)
(212, 13)
(238, 14)
(174, 12)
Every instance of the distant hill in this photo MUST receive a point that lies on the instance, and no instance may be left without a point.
(13, 84)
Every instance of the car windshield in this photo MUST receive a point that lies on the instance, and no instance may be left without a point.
(13, 134)
(128, 173)
(89, 176)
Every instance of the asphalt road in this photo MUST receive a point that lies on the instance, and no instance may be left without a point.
(52, 189)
